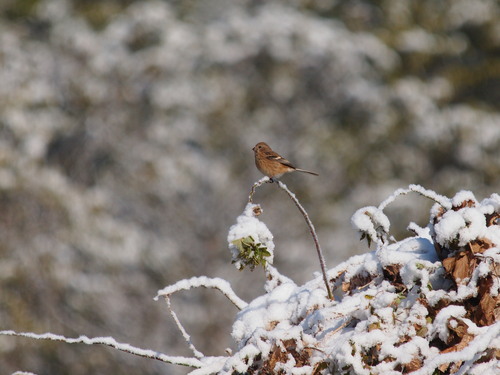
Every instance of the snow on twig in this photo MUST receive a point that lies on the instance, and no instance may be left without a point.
(186, 336)
(202, 281)
(263, 180)
(440, 199)
(110, 341)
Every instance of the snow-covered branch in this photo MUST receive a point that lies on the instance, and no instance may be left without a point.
(110, 341)
(202, 281)
(183, 331)
(440, 199)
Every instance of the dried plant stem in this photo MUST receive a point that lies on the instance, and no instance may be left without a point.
(308, 221)
(313, 234)
(186, 336)
(263, 180)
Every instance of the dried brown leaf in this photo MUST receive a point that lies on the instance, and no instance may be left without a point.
(493, 219)
(346, 286)
(455, 367)
(458, 328)
(391, 271)
(358, 281)
(480, 245)
(277, 355)
(413, 365)
(466, 338)
(449, 264)
(463, 204)
(460, 266)
(487, 307)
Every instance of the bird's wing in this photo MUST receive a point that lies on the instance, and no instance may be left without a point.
(278, 158)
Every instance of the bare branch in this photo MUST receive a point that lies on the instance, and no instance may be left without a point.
(186, 336)
(313, 234)
(263, 180)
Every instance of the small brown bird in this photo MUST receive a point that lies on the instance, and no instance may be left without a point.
(272, 164)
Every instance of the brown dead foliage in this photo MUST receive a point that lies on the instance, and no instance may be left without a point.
(411, 366)
(458, 334)
(487, 311)
(489, 355)
(480, 245)
(371, 356)
(320, 367)
(484, 309)
(463, 204)
(391, 273)
(406, 368)
(441, 212)
(434, 309)
(460, 263)
(357, 282)
(278, 355)
(459, 339)
(493, 219)
(460, 266)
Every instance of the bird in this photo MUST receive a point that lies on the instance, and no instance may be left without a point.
(273, 165)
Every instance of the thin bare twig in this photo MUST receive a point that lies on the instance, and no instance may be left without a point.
(339, 328)
(313, 234)
(186, 336)
(263, 180)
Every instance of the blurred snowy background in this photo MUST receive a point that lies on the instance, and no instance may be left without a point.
(126, 130)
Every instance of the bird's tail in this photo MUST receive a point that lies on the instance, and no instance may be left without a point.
(303, 170)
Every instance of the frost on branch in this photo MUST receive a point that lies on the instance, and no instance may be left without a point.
(250, 241)
(427, 304)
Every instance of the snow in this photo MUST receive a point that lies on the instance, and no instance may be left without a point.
(463, 196)
(478, 345)
(395, 308)
(382, 321)
(247, 225)
(373, 222)
(463, 225)
(108, 341)
(206, 282)
(439, 326)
